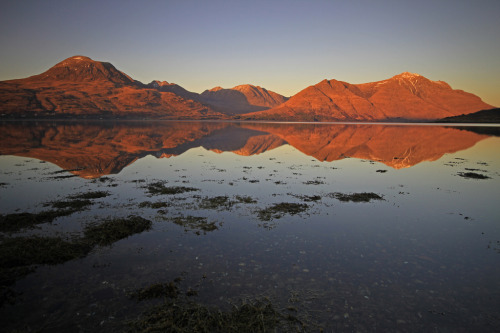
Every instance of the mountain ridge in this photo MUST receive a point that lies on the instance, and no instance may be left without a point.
(81, 87)
(406, 96)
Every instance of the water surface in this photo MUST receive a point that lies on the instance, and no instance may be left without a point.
(425, 258)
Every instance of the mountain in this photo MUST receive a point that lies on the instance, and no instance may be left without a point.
(259, 96)
(241, 99)
(406, 96)
(82, 69)
(82, 87)
(174, 88)
(483, 116)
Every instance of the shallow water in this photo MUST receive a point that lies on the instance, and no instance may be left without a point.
(425, 258)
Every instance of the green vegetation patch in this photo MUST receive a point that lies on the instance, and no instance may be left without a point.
(188, 316)
(219, 202)
(110, 231)
(74, 205)
(473, 175)
(159, 188)
(245, 199)
(18, 256)
(278, 210)
(314, 182)
(18, 221)
(25, 251)
(155, 205)
(90, 195)
(356, 197)
(157, 290)
(195, 223)
(308, 198)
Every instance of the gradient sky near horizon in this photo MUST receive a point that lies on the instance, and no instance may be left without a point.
(283, 46)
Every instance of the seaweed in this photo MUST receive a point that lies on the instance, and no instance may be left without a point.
(218, 202)
(157, 290)
(159, 188)
(73, 205)
(90, 195)
(25, 251)
(179, 314)
(473, 175)
(245, 199)
(356, 197)
(18, 256)
(154, 205)
(255, 316)
(195, 223)
(113, 230)
(308, 198)
(17, 221)
(278, 210)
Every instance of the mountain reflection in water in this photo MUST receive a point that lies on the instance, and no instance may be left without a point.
(95, 149)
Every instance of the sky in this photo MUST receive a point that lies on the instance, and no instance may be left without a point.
(283, 46)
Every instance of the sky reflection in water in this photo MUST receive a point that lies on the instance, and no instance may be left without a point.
(425, 257)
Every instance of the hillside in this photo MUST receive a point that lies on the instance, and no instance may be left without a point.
(405, 97)
(82, 87)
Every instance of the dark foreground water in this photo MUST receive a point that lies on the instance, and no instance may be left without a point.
(259, 211)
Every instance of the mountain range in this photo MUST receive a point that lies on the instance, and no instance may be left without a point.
(79, 87)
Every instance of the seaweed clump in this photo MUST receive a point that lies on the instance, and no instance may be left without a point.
(356, 197)
(159, 188)
(279, 210)
(473, 175)
(256, 316)
(17, 221)
(219, 202)
(18, 256)
(90, 195)
(195, 223)
(110, 231)
(157, 290)
(245, 199)
(179, 314)
(78, 202)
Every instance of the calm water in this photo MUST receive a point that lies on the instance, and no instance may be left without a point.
(425, 258)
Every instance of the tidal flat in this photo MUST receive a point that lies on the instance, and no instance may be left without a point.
(276, 228)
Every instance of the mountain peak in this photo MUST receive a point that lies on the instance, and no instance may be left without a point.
(216, 88)
(408, 75)
(83, 69)
(158, 84)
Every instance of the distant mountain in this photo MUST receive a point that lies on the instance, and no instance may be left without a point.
(406, 96)
(82, 69)
(259, 96)
(79, 87)
(241, 99)
(483, 116)
(174, 88)
(82, 87)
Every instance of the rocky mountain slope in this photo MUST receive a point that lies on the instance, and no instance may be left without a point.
(82, 87)
(241, 99)
(406, 96)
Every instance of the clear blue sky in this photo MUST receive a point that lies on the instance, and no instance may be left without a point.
(283, 46)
